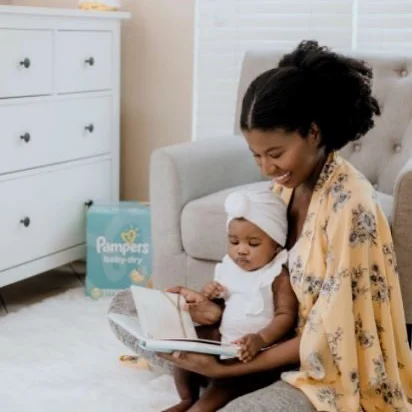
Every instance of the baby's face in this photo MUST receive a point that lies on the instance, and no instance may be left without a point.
(249, 246)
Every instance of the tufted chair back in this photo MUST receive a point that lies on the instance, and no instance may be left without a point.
(381, 153)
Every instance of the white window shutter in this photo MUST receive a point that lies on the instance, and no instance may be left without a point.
(385, 25)
(225, 29)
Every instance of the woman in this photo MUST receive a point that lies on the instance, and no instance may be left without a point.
(351, 343)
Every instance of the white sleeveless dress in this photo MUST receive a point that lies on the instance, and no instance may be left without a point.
(249, 301)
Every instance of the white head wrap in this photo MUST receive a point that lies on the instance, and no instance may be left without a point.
(263, 208)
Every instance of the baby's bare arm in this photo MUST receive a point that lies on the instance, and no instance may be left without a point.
(286, 309)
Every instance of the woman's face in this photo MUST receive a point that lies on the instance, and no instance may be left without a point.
(286, 157)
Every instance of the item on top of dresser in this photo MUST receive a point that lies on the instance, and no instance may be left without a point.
(118, 247)
(101, 5)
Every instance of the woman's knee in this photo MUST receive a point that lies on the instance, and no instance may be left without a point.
(278, 397)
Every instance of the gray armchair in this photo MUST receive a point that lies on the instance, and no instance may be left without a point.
(188, 182)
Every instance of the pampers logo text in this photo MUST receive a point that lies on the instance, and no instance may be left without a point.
(128, 247)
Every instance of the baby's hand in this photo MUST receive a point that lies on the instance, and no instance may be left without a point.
(250, 345)
(213, 290)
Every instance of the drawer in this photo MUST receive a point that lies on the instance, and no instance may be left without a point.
(43, 133)
(83, 61)
(53, 204)
(26, 67)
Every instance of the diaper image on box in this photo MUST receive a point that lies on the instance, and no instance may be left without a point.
(118, 248)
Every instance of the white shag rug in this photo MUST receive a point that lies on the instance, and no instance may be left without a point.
(60, 355)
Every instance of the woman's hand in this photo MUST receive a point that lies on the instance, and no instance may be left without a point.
(191, 297)
(249, 346)
(201, 309)
(206, 365)
(283, 354)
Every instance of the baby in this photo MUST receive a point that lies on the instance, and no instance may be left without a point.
(260, 307)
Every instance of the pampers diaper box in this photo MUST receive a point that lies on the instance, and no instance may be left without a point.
(118, 248)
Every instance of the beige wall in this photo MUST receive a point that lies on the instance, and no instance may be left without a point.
(157, 73)
(157, 85)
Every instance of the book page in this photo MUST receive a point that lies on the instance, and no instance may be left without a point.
(161, 315)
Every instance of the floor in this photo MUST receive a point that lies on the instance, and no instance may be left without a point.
(37, 288)
(58, 363)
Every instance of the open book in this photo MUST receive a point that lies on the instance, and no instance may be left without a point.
(162, 325)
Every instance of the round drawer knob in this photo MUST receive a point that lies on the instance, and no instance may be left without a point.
(26, 137)
(90, 128)
(89, 203)
(25, 63)
(90, 61)
(25, 222)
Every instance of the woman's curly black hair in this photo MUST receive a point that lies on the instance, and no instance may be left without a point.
(313, 85)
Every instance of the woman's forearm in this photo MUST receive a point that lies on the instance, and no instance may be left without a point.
(286, 353)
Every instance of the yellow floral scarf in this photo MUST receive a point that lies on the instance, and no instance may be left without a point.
(354, 351)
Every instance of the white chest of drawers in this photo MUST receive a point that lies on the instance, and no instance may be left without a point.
(59, 132)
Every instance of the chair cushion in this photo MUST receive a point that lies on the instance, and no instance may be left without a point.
(203, 222)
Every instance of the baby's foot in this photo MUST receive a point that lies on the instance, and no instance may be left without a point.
(183, 406)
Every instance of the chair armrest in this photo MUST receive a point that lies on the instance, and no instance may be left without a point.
(188, 171)
(184, 172)
(205, 166)
(402, 233)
